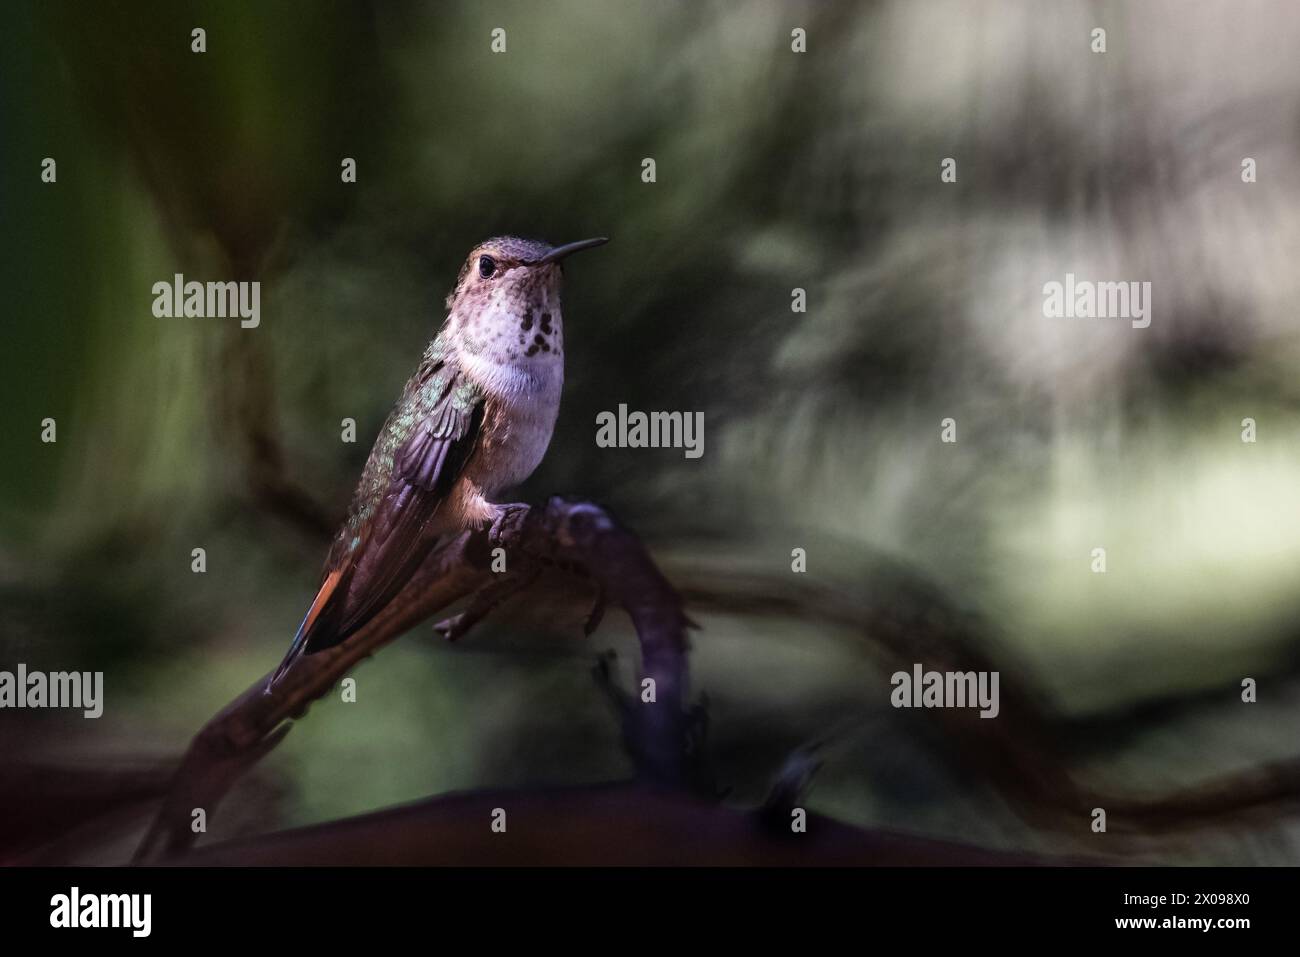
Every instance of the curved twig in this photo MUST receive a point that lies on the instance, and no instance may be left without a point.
(564, 532)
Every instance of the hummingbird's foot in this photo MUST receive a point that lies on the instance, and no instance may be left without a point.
(506, 521)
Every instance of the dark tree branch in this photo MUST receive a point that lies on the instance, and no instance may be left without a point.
(613, 824)
(486, 600)
(564, 533)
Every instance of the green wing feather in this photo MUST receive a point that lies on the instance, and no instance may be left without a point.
(392, 525)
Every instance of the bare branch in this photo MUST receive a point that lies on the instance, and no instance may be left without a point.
(613, 824)
(486, 600)
(564, 533)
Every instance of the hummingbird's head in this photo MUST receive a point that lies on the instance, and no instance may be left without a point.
(508, 274)
(506, 304)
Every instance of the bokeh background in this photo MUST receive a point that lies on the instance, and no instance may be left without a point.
(775, 170)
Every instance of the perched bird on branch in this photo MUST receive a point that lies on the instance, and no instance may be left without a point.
(474, 420)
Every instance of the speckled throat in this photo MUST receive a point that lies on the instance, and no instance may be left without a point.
(510, 340)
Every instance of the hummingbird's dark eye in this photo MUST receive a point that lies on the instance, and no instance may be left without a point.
(487, 266)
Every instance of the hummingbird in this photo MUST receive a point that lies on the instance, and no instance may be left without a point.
(475, 419)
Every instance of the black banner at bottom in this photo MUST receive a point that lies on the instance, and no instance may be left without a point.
(330, 906)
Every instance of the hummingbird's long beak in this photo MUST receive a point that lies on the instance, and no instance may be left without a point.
(559, 252)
